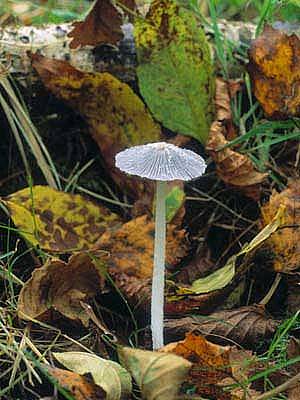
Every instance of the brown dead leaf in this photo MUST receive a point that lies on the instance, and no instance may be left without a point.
(213, 364)
(285, 242)
(233, 168)
(102, 25)
(60, 287)
(137, 292)
(226, 90)
(117, 118)
(79, 387)
(293, 351)
(293, 293)
(274, 69)
(131, 247)
(246, 326)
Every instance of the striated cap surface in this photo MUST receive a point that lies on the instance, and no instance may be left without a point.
(161, 161)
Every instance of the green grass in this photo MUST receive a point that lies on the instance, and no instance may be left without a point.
(51, 11)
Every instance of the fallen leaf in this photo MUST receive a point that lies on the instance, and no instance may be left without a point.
(274, 68)
(116, 116)
(293, 293)
(285, 243)
(246, 326)
(131, 247)
(158, 375)
(235, 169)
(78, 386)
(216, 280)
(213, 364)
(59, 287)
(102, 25)
(225, 91)
(137, 292)
(199, 266)
(293, 351)
(58, 221)
(109, 375)
(174, 202)
(175, 70)
(223, 276)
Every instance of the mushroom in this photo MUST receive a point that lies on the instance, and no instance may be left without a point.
(161, 162)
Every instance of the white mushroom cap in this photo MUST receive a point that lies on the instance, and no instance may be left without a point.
(161, 161)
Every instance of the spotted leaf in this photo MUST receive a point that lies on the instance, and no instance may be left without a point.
(57, 221)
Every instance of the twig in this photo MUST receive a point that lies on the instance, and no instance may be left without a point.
(279, 389)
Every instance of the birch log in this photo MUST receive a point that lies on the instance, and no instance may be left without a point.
(53, 41)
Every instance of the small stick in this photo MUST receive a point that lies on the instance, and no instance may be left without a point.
(279, 389)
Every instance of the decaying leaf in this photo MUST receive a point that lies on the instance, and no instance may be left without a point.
(233, 168)
(275, 72)
(158, 375)
(109, 375)
(285, 243)
(131, 247)
(175, 70)
(58, 221)
(102, 25)
(246, 326)
(79, 387)
(293, 293)
(59, 287)
(116, 116)
(223, 276)
(213, 365)
(225, 91)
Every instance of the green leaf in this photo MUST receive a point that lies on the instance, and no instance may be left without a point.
(174, 200)
(111, 376)
(175, 70)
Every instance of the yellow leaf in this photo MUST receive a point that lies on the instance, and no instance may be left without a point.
(274, 69)
(113, 378)
(57, 221)
(285, 243)
(158, 375)
(116, 116)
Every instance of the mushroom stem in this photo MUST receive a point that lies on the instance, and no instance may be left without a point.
(158, 280)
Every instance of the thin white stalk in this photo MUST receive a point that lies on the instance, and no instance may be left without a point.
(158, 280)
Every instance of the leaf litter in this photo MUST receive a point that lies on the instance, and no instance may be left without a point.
(93, 256)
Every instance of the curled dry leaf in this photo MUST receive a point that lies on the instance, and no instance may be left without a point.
(109, 375)
(60, 287)
(274, 69)
(116, 116)
(102, 25)
(79, 387)
(285, 243)
(212, 365)
(158, 375)
(233, 168)
(131, 247)
(246, 326)
(58, 221)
